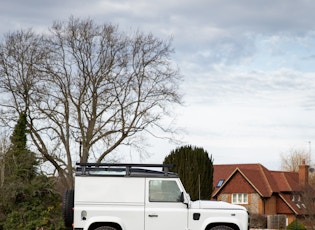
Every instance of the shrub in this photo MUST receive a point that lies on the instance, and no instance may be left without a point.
(296, 225)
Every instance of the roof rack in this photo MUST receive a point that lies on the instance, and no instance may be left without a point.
(124, 169)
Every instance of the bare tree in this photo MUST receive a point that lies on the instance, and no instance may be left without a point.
(305, 197)
(93, 89)
(290, 161)
(20, 52)
(307, 203)
(295, 157)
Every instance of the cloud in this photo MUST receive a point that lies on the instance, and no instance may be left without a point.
(269, 16)
(248, 65)
(211, 31)
(236, 87)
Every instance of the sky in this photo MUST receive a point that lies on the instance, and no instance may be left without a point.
(248, 67)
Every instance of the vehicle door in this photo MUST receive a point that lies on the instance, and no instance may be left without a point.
(164, 208)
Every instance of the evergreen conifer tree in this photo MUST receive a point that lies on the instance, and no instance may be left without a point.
(20, 161)
(27, 200)
(195, 168)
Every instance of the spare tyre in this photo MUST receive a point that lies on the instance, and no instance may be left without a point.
(67, 207)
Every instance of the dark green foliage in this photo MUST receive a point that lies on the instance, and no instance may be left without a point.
(193, 165)
(296, 225)
(41, 212)
(20, 162)
(27, 199)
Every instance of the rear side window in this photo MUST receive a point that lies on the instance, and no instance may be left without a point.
(164, 191)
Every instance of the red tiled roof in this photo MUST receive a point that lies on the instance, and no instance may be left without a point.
(265, 182)
(286, 181)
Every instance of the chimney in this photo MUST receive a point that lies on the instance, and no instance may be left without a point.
(303, 173)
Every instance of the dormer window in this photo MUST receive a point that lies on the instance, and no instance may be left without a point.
(296, 198)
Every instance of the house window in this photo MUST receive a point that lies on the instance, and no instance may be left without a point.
(239, 198)
(220, 182)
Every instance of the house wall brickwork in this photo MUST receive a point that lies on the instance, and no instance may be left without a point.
(254, 203)
(238, 184)
(271, 205)
(225, 197)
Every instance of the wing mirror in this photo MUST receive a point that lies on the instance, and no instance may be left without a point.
(185, 198)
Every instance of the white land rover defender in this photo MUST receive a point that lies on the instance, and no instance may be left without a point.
(136, 197)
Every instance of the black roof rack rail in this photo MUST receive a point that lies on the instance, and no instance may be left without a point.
(127, 167)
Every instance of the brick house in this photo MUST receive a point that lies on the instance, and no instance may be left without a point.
(263, 191)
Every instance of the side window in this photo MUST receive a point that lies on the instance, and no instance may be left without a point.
(164, 191)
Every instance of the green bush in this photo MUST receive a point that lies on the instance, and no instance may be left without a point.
(35, 215)
(296, 225)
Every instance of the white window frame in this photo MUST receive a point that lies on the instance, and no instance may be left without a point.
(239, 198)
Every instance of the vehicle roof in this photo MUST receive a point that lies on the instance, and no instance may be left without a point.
(124, 170)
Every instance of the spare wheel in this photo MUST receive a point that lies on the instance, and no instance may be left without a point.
(67, 207)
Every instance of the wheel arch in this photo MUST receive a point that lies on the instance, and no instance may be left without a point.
(100, 224)
(99, 221)
(231, 225)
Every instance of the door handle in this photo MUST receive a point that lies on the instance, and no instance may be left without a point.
(153, 215)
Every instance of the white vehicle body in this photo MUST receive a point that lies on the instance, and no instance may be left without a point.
(145, 200)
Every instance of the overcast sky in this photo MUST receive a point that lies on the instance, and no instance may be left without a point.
(248, 67)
